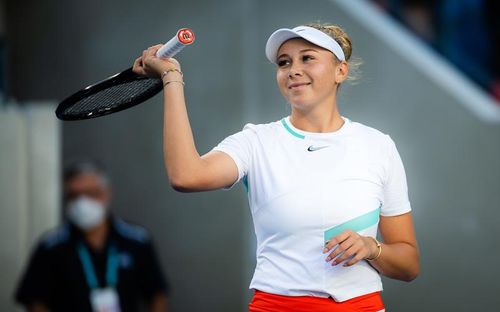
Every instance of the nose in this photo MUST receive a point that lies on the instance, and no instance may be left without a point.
(295, 70)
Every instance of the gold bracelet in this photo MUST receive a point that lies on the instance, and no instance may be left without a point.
(170, 70)
(169, 81)
(379, 246)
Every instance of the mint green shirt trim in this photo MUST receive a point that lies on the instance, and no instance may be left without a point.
(292, 132)
(357, 224)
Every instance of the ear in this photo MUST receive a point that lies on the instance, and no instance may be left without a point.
(342, 71)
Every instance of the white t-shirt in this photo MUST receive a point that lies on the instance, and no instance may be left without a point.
(303, 188)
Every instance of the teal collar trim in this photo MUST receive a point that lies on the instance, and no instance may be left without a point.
(357, 224)
(291, 131)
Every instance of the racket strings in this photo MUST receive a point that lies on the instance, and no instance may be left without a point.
(114, 96)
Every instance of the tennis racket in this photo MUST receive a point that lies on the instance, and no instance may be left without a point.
(122, 90)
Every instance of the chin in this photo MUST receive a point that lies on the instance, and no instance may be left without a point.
(300, 105)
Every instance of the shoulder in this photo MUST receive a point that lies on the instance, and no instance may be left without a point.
(260, 131)
(131, 232)
(56, 237)
(263, 127)
(375, 143)
(252, 133)
(370, 135)
(364, 130)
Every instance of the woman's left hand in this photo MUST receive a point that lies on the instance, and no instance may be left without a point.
(350, 245)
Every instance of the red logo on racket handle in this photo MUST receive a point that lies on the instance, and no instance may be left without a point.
(185, 36)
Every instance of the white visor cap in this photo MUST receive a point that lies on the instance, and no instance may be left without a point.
(310, 34)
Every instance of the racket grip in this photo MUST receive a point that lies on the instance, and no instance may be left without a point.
(183, 38)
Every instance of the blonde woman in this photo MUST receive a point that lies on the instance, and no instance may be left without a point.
(320, 186)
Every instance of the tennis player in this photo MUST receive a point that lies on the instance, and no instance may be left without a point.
(320, 185)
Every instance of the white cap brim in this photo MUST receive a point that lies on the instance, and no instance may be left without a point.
(310, 34)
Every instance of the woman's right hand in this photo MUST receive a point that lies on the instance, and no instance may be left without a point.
(152, 66)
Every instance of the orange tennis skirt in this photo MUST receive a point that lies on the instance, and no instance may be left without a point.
(266, 302)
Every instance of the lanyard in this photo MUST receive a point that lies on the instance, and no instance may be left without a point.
(88, 268)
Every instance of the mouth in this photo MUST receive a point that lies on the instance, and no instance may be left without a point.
(298, 85)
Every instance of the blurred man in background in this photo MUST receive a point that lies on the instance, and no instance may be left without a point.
(94, 261)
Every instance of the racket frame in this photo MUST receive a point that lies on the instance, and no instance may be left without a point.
(123, 77)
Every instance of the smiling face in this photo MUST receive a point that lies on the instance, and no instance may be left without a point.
(308, 75)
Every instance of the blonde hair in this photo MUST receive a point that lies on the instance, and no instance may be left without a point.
(342, 38)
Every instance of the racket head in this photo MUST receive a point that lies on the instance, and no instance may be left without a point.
(111, 95)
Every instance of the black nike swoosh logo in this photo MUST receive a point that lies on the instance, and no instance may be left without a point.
(313, 148)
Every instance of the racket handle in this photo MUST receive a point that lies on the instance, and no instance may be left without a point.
(184, 37)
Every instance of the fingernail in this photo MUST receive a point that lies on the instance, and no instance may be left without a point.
(328, 259)
(325, 250)
(334, 263)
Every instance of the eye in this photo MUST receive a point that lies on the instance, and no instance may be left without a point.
(282, 63)
(307, 58)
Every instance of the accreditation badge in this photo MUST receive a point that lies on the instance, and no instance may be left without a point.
(104, 300)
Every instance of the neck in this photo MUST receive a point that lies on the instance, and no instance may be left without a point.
(96, 236)
(318, 120)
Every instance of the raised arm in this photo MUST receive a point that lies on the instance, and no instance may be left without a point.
(187, 170)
